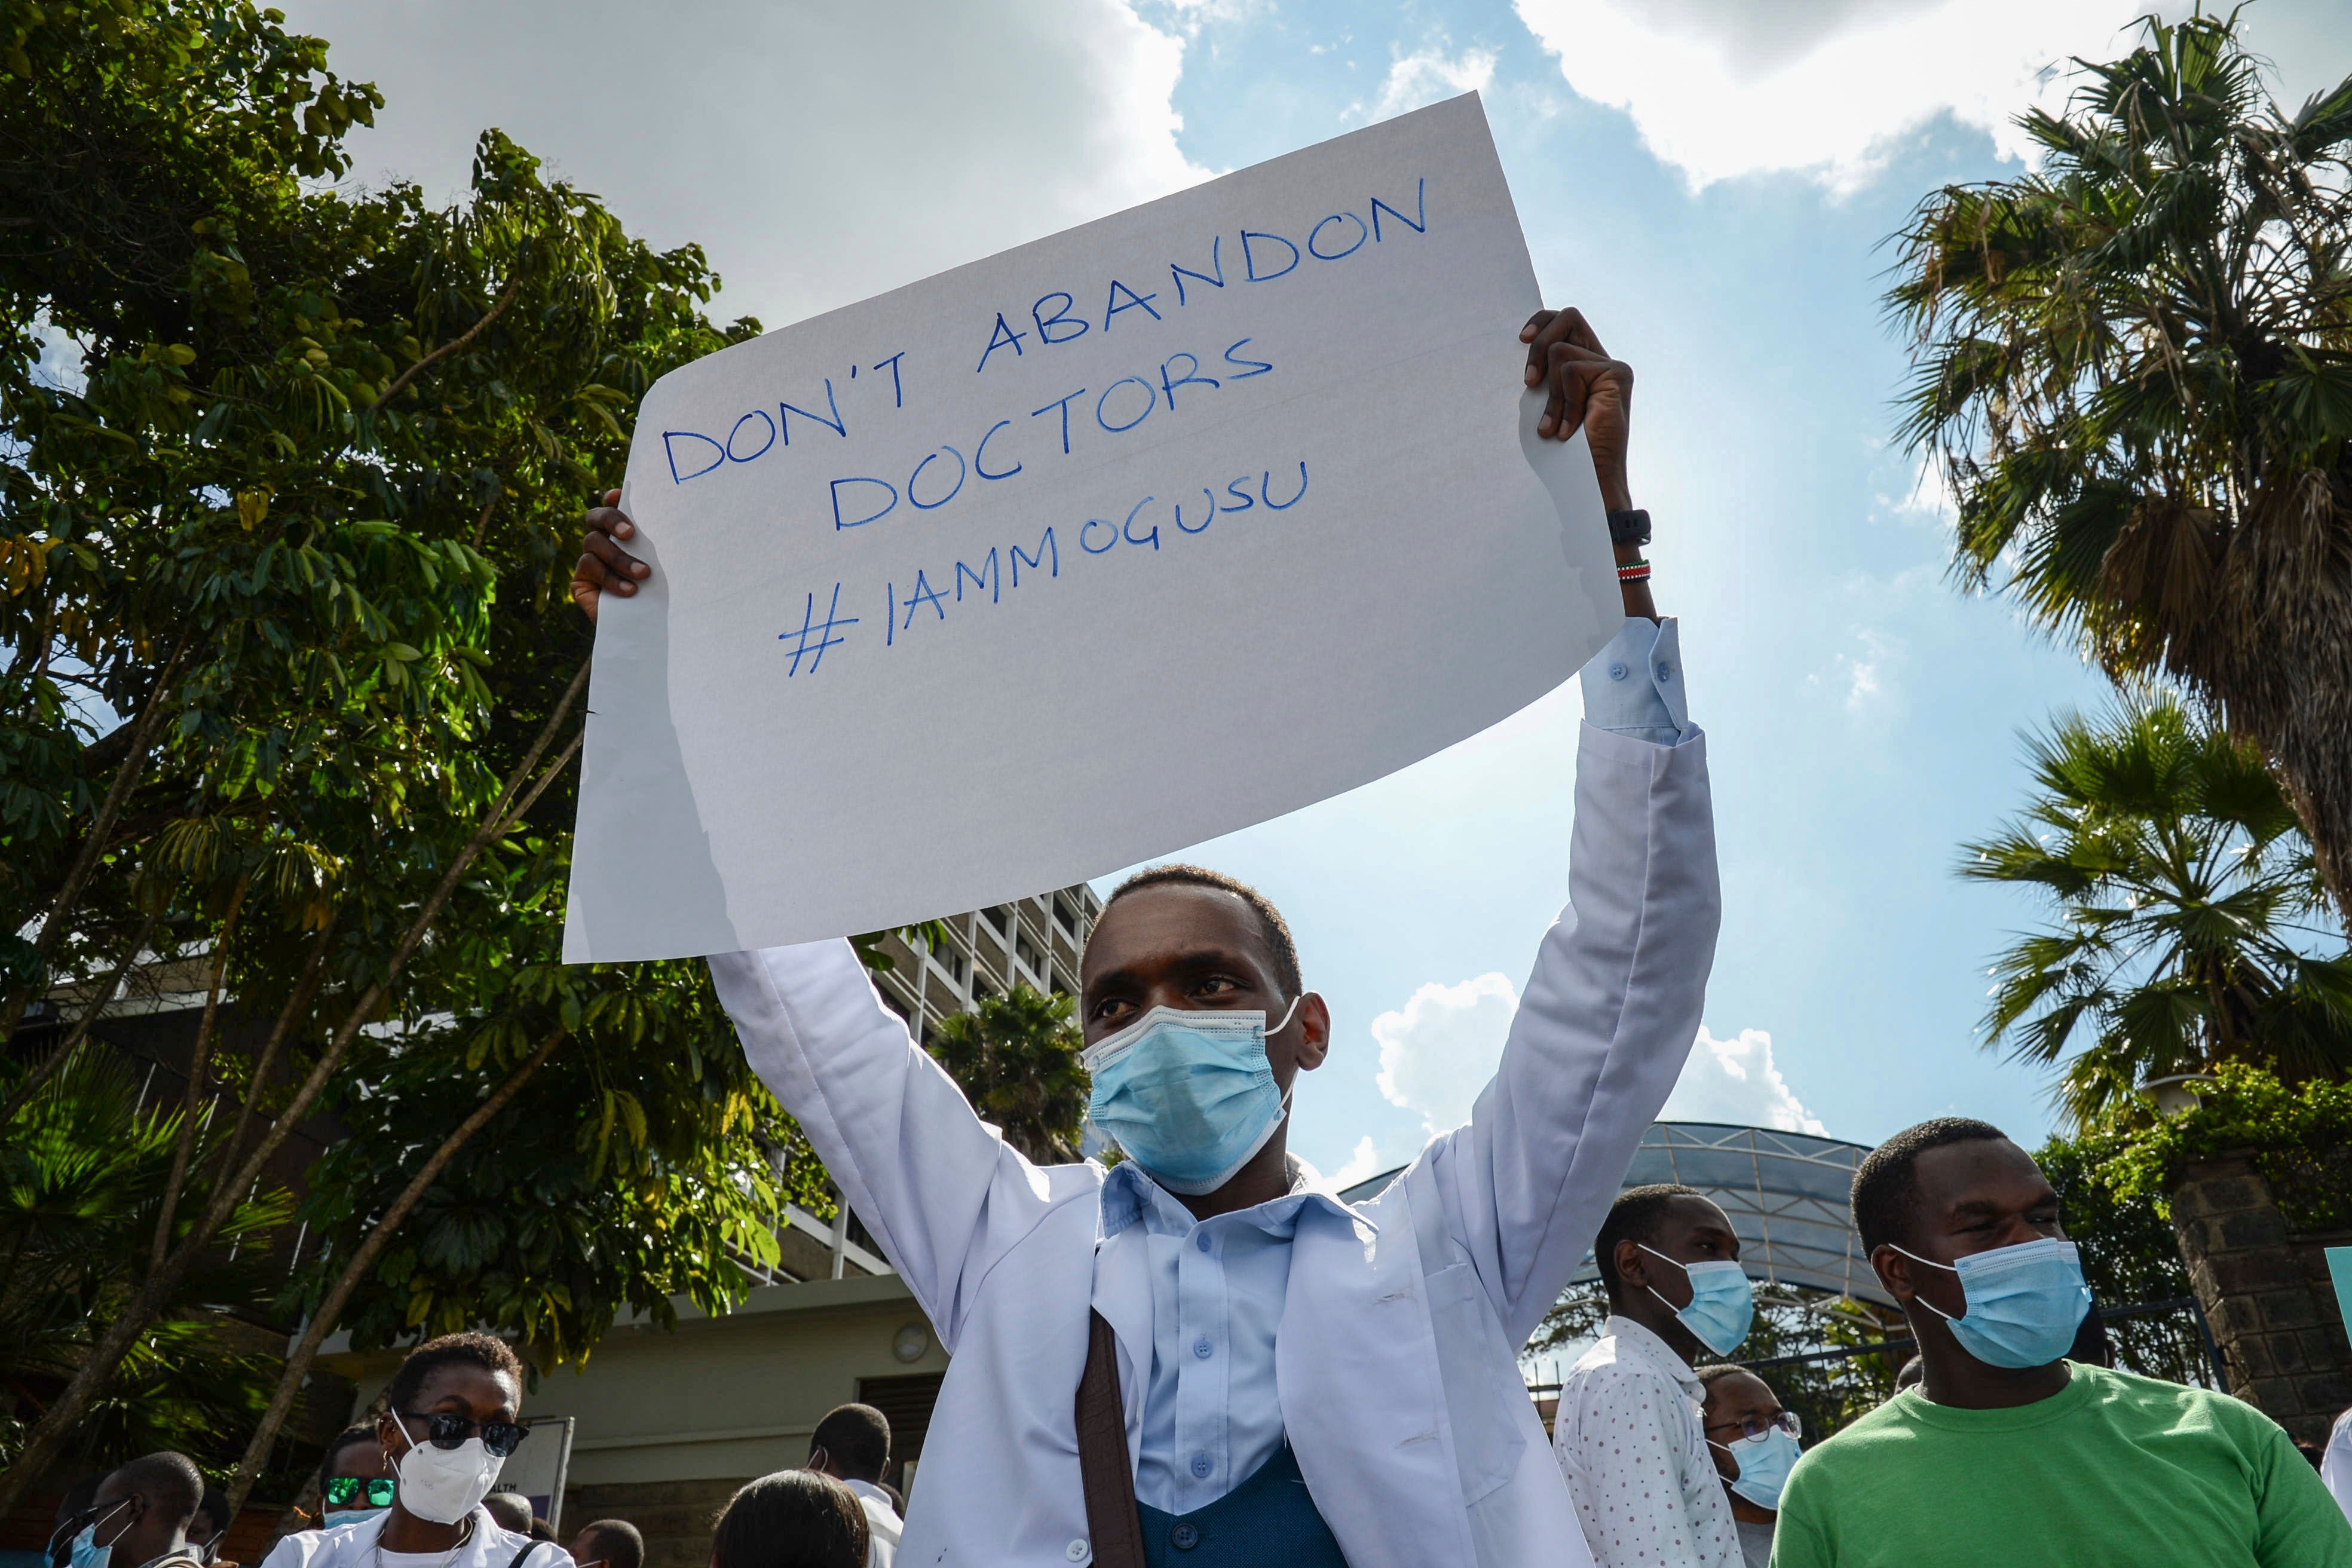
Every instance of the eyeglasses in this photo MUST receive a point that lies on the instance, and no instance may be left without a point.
(342, 1490)
(443, 1430)
(1757, 1425)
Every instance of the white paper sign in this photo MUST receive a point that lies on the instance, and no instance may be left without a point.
(1083, 554)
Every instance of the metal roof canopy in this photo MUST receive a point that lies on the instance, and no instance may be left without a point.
(1787, 1194)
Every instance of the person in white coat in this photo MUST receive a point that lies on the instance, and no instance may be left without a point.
(451, 1419)
(1241, 1331)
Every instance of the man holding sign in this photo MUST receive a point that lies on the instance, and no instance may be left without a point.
(1148, 1360)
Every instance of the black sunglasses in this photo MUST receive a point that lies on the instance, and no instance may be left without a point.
(379, 1489)
(443, 1430)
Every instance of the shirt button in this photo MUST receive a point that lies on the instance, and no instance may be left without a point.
(1618, 672)
(1183, 1538)
(1201, 1347)
(1666, 671)
(1203, 1240)
(1200, 1464)
(1076, 1552)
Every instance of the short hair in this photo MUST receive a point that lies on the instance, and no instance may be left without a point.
(857, 1438)
(1912, 1372)
(1711, 1374)
(793, 1519)
(169, 1482)
(1886, 1188)
(214, 1507)
(470, 1348)
(617, 1542)
(349, 1437)
(1635, 1216)
(511, 1510)
(1271, 925)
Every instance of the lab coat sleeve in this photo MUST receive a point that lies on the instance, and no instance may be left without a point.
(1607, 1018)
(944, 1196)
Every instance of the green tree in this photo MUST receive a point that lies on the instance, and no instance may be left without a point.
(81, 1172)
(2130, 1257)
(2185, 899)
(2133, 367)
(301, 517)
(1015, 1056)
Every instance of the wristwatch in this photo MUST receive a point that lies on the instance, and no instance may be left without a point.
(1628, 527)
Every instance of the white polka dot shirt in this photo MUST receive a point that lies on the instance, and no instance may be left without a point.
(1628, 1440)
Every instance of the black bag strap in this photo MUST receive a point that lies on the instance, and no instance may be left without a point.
(1111, 1518)
(523, 1556)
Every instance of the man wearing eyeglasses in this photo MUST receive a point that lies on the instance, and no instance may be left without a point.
(451, 1417)
(1755, 1443)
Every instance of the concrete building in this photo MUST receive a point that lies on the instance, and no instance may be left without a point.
(667, 1424)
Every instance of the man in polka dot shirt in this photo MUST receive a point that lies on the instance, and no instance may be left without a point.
(1629, 1436)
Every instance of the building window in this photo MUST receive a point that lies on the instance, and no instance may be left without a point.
(997, 916)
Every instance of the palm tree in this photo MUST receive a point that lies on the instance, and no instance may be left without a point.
(2185, 897)
(2133, 368)
(83, 1173)
(1015, 1056)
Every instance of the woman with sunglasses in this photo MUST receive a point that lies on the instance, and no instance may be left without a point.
(449, 1422)
(1753, 1442)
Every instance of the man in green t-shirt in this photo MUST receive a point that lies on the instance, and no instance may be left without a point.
(2008, 1455)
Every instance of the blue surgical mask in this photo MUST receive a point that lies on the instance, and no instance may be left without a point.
(1764, 1463)
(341, 1516)
(1187, 1093)
(85, 1552)
(1722, 1303)
(2023, 1303)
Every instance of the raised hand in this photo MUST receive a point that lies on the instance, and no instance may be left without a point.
(1588, 388)
(605, 567)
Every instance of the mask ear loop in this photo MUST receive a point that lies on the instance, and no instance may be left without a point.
(1291, 1012)
(1919, 1296)
(1653, 1289)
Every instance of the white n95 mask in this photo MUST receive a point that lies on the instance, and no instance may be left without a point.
(445, 1485)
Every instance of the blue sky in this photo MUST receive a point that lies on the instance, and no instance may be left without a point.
(1711, 182)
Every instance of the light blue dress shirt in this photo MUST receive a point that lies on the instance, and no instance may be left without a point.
(1211, 1414)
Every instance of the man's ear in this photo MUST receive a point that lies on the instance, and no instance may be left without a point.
(1632, 1265)
(1314, 1031)
(1894, 1271)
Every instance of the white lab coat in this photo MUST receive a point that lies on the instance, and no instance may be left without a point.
(1396, 1357)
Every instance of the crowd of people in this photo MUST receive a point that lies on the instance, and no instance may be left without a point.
(2007, 1439)
(1199, 1356)
(417, 1488)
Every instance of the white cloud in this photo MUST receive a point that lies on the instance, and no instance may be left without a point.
(1867, 679)
(1424, 78)
(1724, 88)
(1365, 1161)
(1735, 1080)
(1439, 1050)
(819, 154)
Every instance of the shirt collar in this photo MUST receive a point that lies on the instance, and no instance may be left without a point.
(871, 1493)
(1129, 1196)
(1641, 1344)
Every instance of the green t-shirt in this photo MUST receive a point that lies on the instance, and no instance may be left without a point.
(2114, 1472)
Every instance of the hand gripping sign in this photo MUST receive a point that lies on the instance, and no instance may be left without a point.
(1076, 555)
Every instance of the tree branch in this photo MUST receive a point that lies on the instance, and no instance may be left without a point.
(400, 382)
(331, 1309)
(312, 967)
(57, 1058)
(199, 1060)
(93, 845)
